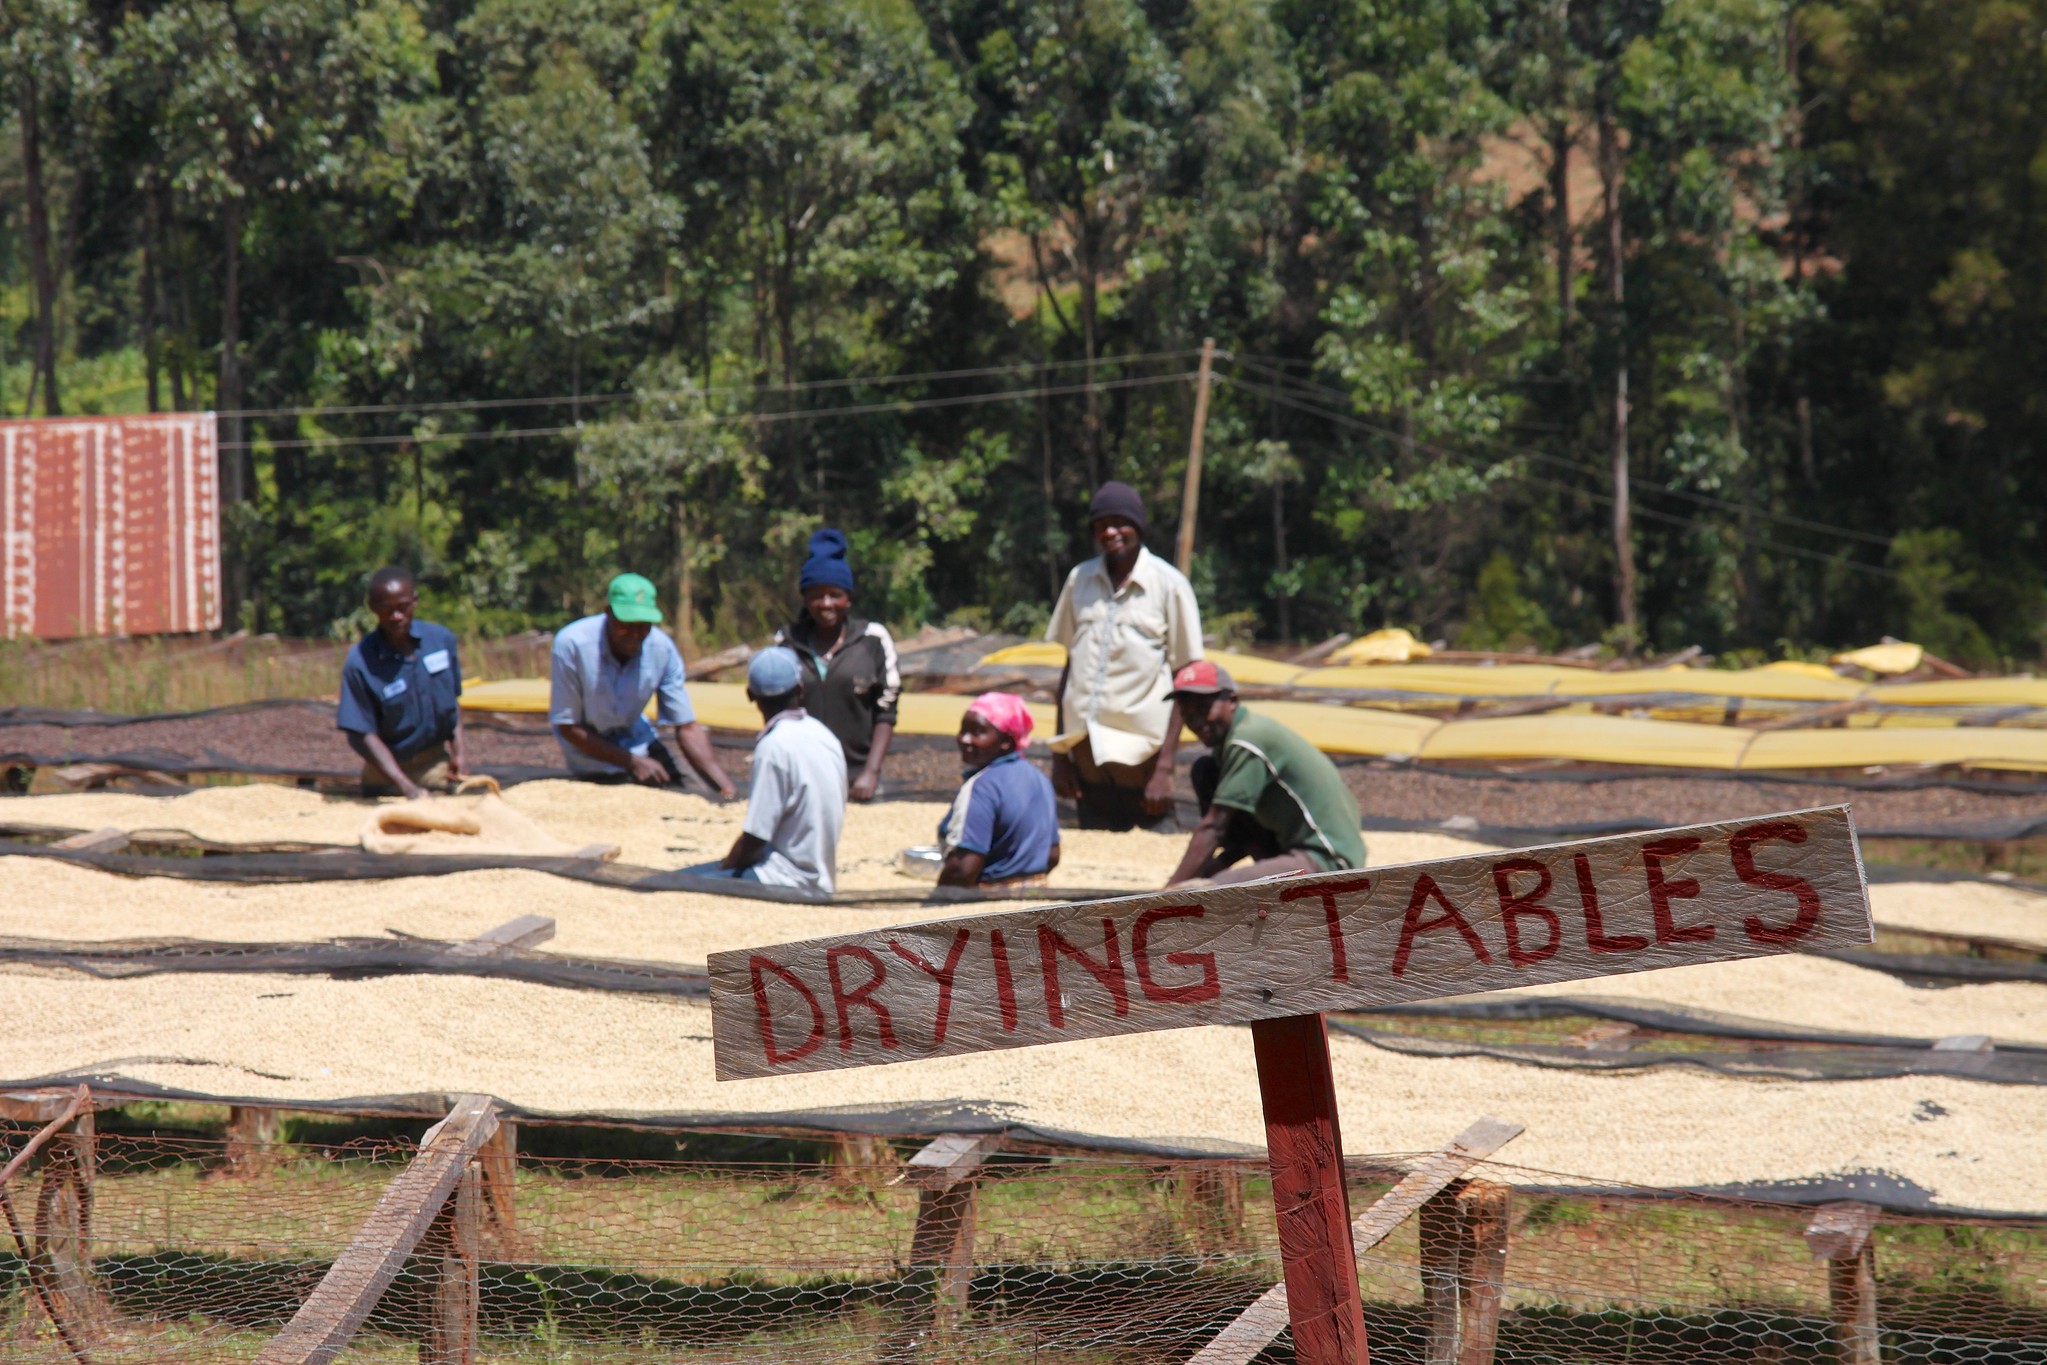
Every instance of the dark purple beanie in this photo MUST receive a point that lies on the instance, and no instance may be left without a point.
(1115, 499)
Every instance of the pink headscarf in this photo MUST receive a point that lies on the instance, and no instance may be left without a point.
(1006, 713)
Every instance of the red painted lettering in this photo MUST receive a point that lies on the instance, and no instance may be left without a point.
(1208, 988)
(775, 1056)
(1662, 891)
(1052, 945)
(1743, 846)
(1514, 908)
(1005, 985)
(844, 1000)
(942, 975)
(1425, 889)
(1595, 923)
(1339, 960)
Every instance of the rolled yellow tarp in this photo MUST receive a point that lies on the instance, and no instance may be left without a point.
(1771, 683)
(1590, 739)
(1244, 668)
(1451, 680)
(1973, 747)
(1964, 692)
(1890, 659)
(1389, 646)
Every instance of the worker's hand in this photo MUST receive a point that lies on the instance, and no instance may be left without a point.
(863, 787)
(648, 772)
(1065, 778)
(409, 789)
(1158, 792)
(727, 792)
(456, 772)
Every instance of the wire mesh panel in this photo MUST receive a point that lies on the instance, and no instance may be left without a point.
(182, 1249)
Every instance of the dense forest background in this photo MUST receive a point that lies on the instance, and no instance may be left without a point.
(527, 291)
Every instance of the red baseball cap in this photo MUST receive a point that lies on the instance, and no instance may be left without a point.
(1202, 678)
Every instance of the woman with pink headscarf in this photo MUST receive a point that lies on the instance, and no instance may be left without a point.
(1003, 828)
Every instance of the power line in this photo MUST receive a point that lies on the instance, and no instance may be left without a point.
(1687, 495)
(709, 419)
(806, 385)
(1650, 513)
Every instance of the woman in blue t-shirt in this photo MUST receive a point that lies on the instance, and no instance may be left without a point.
(1003, 828)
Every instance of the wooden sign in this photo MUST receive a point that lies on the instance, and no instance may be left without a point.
(1293, 946)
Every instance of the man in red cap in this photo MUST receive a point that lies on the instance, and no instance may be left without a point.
(1266, 794)
(1127, 619)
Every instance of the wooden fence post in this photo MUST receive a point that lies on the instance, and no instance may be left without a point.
(253, 1135)
(1212, 1195)
(451, 1249)
(498, 1164)
(1839, 1234)
(1464, 1230)
(410, 1204)
(57, 1249)
(944, 1173)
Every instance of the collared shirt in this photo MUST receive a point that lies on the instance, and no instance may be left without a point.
(1007, 813)
(797, 804)
(853, 690)
(1291, 788)
(591, 687)
(410, 700)
(1123, 646)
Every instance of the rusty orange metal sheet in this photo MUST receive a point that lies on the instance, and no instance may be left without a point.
(111, 526)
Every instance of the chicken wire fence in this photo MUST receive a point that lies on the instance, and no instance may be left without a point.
(131, 1248)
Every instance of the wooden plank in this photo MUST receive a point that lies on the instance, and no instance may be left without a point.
(527, 931)
(1304, 1147)
(34, 1106)
(1256, 1327)
(109, 840)
(948, 1159)
(1293, 946)
(498, 1162)
(343, 1299)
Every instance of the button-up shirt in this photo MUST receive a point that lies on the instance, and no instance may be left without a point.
(591, 687)
(1123, 646)
(407, 698)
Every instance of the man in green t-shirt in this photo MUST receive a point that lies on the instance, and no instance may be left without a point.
(1266, 794)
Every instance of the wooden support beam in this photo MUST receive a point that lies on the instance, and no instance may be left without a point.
(109, 840)
(948, 1159)
(1256, 1327)
(342, 1300)
(1464, 1229)
(1213, 1195)
(35, 1106)
(62, 1221)
(452, 1250)
(1839, 1234)
(527, 931)
(254, 1135)
(498, 1162)
(934, 1298)
(1304, 1146)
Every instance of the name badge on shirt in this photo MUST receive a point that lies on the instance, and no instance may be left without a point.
(394, 689)
(436, 662)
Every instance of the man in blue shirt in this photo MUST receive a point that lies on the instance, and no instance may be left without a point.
(400, 695)
(605, 669)
(1003, 827)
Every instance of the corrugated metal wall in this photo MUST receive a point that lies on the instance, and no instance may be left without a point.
(111, 526)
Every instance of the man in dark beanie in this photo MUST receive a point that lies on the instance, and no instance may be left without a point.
(1129, 621)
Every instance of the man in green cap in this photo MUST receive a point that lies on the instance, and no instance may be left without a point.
(606, 668)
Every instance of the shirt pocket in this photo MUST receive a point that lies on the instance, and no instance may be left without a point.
(1142, 621)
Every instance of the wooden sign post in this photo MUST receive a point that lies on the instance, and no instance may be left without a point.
(1276, 954)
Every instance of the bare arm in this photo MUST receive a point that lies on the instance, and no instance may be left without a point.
(642, 768)
(869, 781)
(458, 756)
(1158, 788)
(1205, 855)
(374, 751)
(695, 742)
(962, 868)
(747, 850)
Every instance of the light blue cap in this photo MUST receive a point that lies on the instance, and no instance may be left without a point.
(774, 672)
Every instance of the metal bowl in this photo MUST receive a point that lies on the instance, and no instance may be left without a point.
(921, 862)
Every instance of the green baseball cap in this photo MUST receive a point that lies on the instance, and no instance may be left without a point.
(632, 600)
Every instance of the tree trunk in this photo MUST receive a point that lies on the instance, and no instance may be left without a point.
(39, 242)
(1623, 520)
(1560, 226)
(234, 459)
(151, 230)
(1047, 487)
(685, 585)
(1091, 419)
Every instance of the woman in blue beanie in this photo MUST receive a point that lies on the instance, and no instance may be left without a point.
(850, 679)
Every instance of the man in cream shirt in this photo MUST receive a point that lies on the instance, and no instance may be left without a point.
(1129, 622)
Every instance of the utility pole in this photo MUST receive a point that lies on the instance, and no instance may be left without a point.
(1190, 496)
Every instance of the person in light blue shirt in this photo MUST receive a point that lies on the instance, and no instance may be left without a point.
(401, 690)
(1003, 828)
(605, 670)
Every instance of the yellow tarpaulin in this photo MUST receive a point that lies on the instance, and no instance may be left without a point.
(1389, 646)
(1590, 739)
(1244, 668)
(1773, 684)
(1453, 680)
(1964, 692)
(1898, 656)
